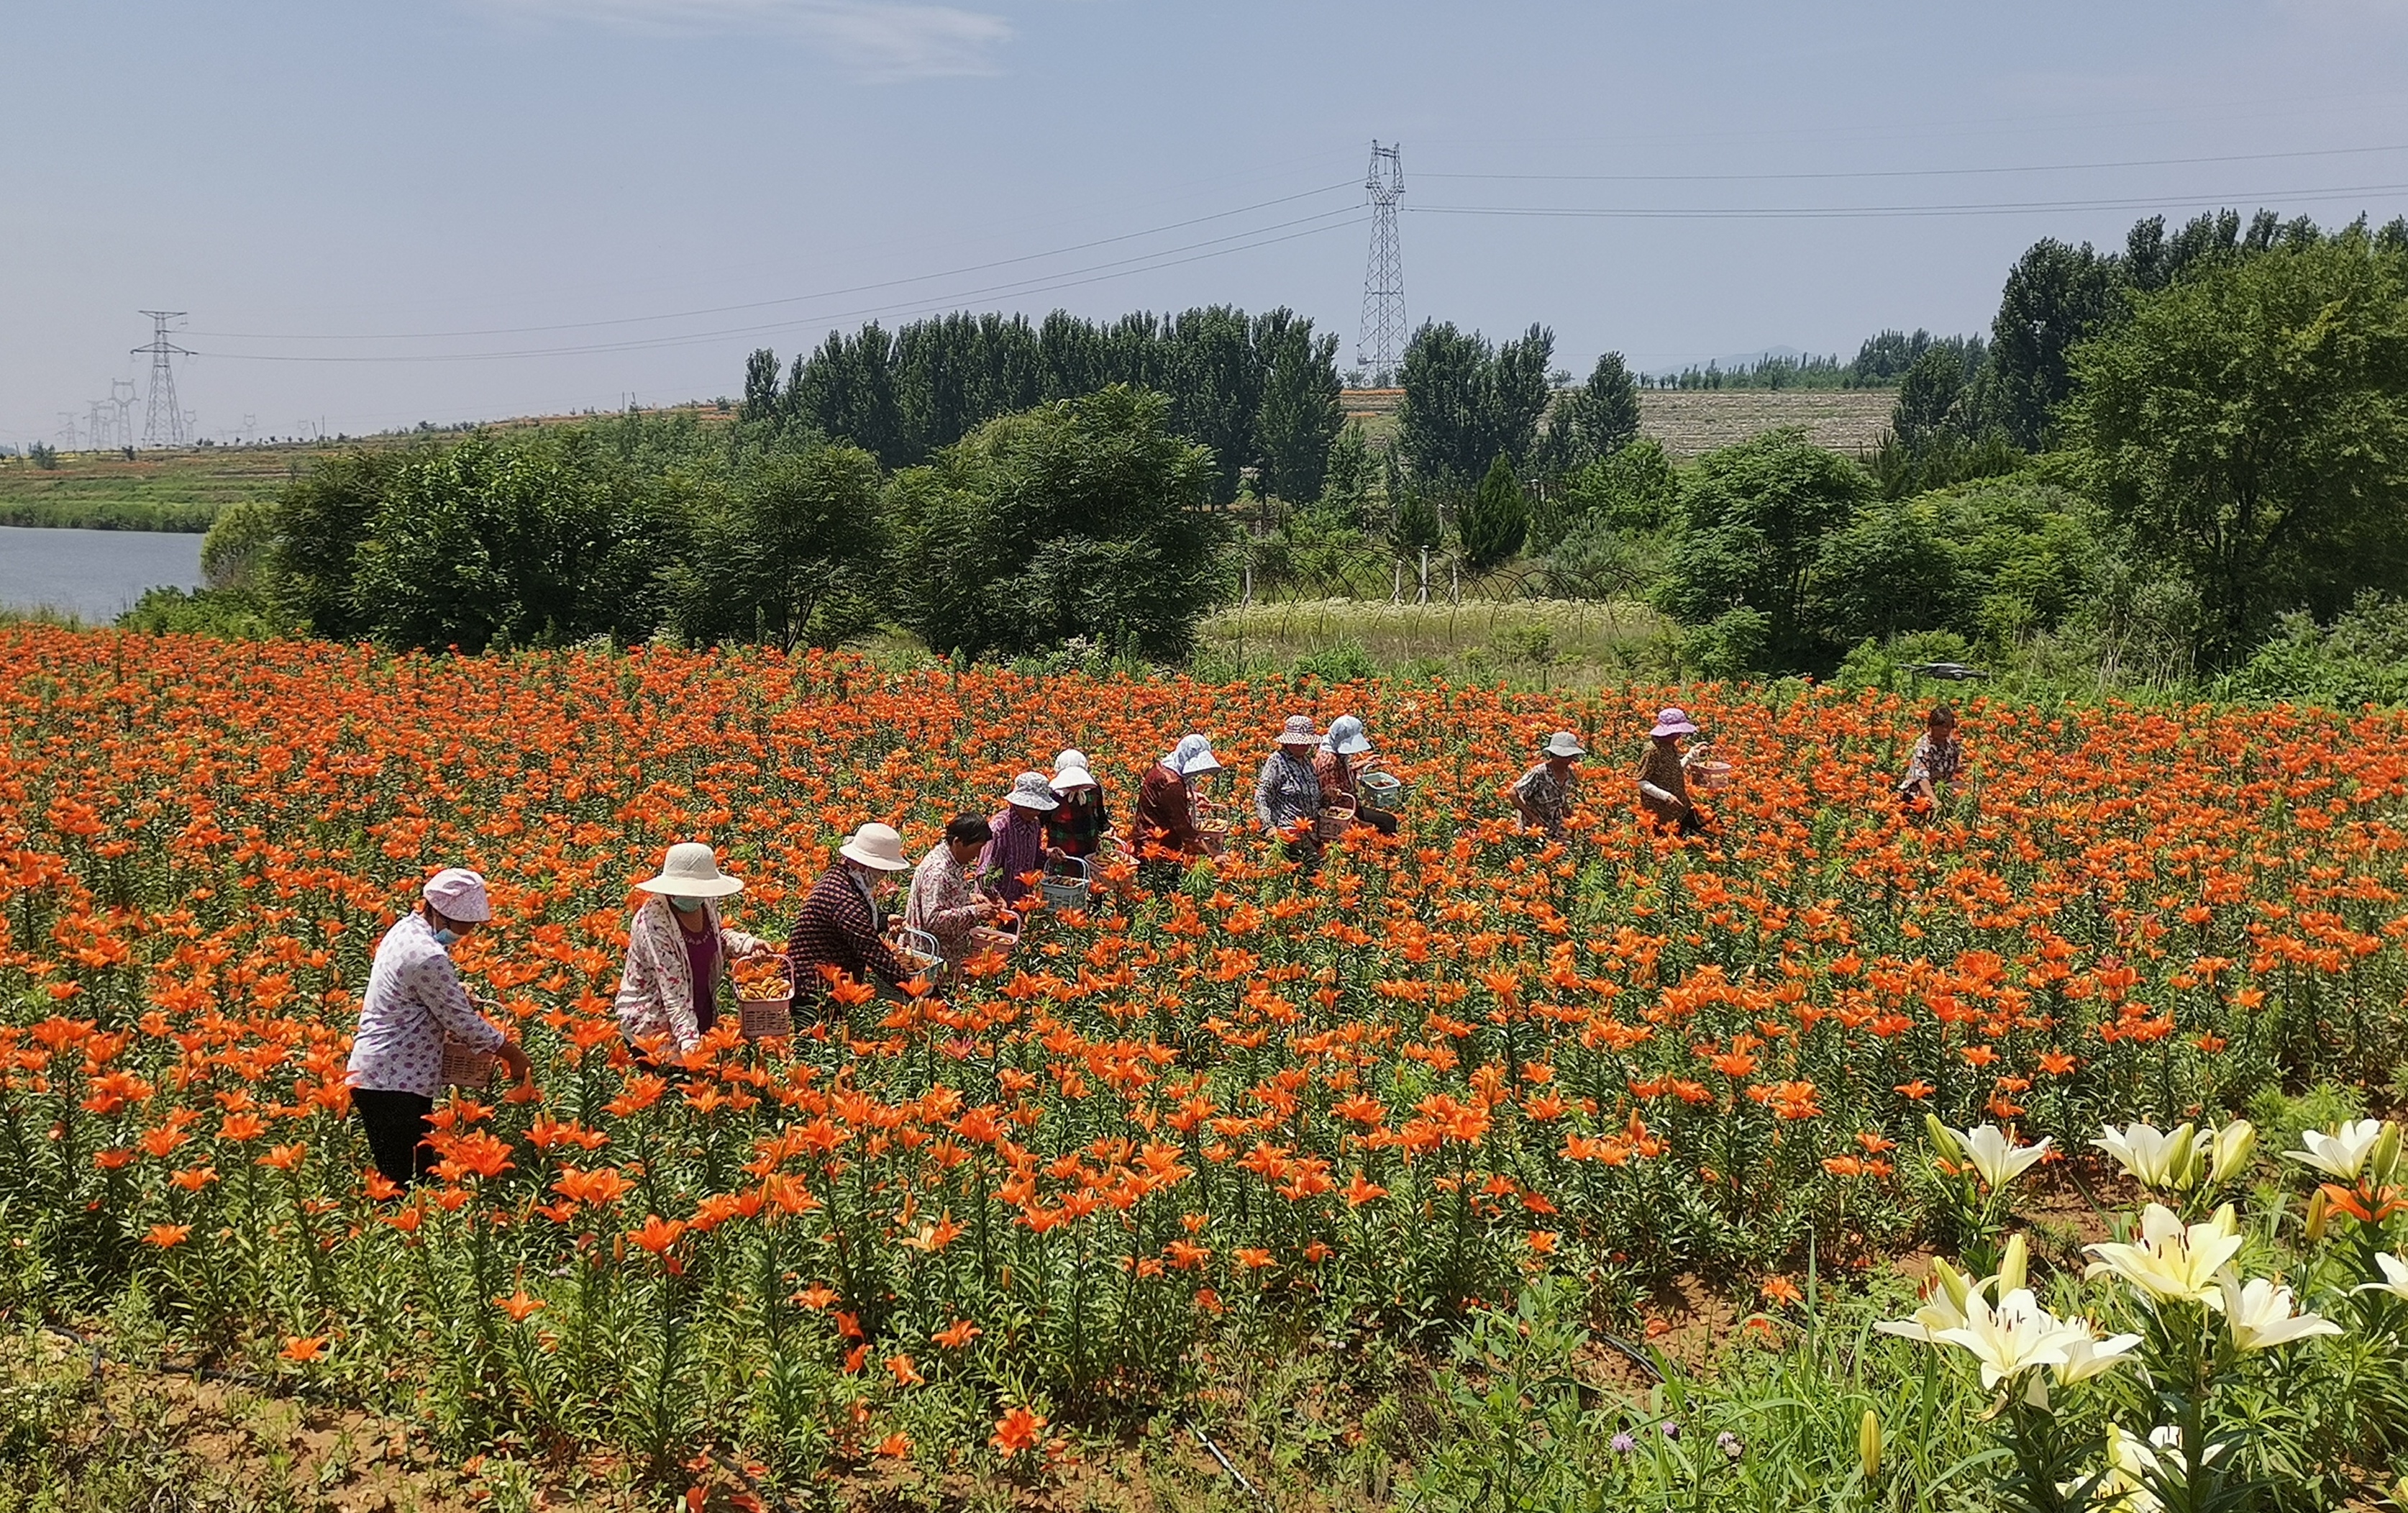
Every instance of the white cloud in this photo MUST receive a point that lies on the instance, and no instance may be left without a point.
(877, 40)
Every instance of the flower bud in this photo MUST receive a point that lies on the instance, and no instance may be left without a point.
(1954, 1283)
(1869, 1444)
(2229, 1156)
(2012, 1265)
(2182, 1159)
(2319, 1211)
(1943, 1140)
(2384, 1159)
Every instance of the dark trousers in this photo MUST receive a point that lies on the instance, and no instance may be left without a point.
(395, 1124)
(1379, 819)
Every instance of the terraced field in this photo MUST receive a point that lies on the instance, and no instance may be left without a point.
(1692, 420)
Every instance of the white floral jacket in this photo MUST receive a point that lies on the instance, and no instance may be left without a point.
(656, 988)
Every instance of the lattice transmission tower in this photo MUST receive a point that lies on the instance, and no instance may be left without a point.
(1382, 344)
(165, 425)
(120, 394)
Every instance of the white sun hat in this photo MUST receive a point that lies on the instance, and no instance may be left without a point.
(691, 872)
(1199, 760)
(459, 894)
(1071, 771)
(878, 846)
(1565, 743)
(1346, 736)
(1030, 790)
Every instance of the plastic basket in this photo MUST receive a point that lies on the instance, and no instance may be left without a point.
(1065, 888)
(1710, 775)
(766, 1018)
(465, 1066)
(1332, 824)
(1386, 789)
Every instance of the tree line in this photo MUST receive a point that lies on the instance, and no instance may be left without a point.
(1262, 391)
(2165, 454)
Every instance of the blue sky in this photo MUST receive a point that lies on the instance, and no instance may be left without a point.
(379, 213)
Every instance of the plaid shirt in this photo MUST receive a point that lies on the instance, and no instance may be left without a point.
(1015, 845)
(413, 1003)
(1289, 790)
(1076, 828)
(839, 927)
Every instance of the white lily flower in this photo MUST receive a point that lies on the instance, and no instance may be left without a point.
(2173, 1262)
(2010, 1339)
(2261, 1317)
(1942, 1309)
(1998, 1159)
(2086, 1355)
(2123, 1486)
(2149, 1157)
(2229, 1150)
(2341, 1155)
(2395, 1276)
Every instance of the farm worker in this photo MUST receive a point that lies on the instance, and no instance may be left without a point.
(1287, 795)
(413, 1003)
(1664, 774)
(1077, 828)
(1938, 756)
(1543, 795)
(1336, 766)
(1165, 835)
(668, 992)
(945, 899)
(1016, 846)
(840, 927)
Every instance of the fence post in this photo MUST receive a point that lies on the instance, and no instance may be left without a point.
(1455, 568)
(1249, 586)
(1396, 594)
(1424, 598)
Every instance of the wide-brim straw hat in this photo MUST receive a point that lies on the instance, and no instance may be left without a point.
(1673, 722)
(1032, 790)
(1564, 744)
(1298, 731)
(876, 845)
(691, 872)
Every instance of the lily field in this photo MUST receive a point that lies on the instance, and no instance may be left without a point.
(1468, 1170)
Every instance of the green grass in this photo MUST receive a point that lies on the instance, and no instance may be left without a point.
(1553, 642)
(177, 490)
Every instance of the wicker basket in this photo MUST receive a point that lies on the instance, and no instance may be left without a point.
(1333, 823)
(465, 1066)
(766, 1018)
(1066, 888)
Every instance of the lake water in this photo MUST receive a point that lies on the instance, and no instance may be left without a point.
(95, 575)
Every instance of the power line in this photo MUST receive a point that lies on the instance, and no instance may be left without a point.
(785, 299)
(1807, 212)
(1907, 173)
(1102, 273)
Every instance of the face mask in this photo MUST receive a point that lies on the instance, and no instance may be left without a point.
(445, 937)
